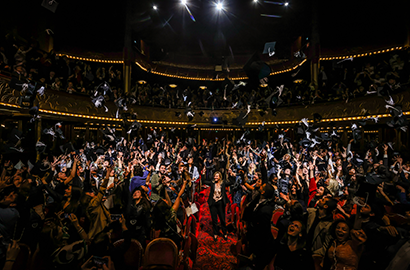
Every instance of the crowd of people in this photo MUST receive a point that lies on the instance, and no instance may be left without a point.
(339, 208)
(337, 80)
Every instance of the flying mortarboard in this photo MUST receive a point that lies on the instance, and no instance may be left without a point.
(256, 69)
(269, 48)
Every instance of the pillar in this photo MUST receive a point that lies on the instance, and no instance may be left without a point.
(87, 133)
(20, 125)
(380, 135)
(314, 52)
(398, 140)
(38, 131)
(362, 144)
(345, 138)
(127, 49)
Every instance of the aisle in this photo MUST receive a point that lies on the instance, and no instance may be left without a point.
(211, 254)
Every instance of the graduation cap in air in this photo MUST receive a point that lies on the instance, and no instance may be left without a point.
(103, 89)
(50, 131)
(399, 123)
(395, 110)
(362, 122)
(34, 111)
(356, 161)
(325, 136)
(150, 138)
(50, 5)
(121, 105)
(275, 102)
(227, 86)
(15, 136)
(190, 114)
(58, 131)
(109, 134)
(67, 148)
(305, 142)
(269, 48)
(261, 127)
(99, 102)
(40, 147)
(356, 133)
(300, 130)
(256, 69)
(241, 120)
(135, 126)
(41, 91)
(334, 134)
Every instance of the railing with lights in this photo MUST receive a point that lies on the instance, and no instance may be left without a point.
(291, 122)
(141, 65)
(362, 54)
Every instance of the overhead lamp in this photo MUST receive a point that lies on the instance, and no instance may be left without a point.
(286, 4)
(219, 6)
(183, 2)
(155, 7)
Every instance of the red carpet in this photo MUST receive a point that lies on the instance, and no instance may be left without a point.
(211, 254)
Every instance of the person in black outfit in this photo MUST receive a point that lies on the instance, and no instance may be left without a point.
(217, 203)
(258, 216)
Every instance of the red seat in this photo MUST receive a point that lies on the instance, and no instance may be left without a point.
(276, 215)
(23, 259)
(161, 253)
(133, 256)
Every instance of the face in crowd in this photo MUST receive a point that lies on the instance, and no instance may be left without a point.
(342, 231)
(162, 169)
(295, 229)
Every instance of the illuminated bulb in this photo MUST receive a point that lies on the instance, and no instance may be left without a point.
(286, 4)
(183, 2)
(219, 6)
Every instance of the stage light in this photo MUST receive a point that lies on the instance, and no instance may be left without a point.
(215, 119)
(183, 2)
(286, 4)
(154, 7)
(255, 1)
(219, 6)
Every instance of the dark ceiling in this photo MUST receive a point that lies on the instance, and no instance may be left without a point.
(238, 30)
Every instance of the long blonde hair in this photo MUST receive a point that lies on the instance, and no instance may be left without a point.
(220, 176)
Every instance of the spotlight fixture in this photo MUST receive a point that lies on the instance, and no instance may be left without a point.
(255, 1)
(286, 4)
(155, 7)
(183, 2)
(219, 6)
